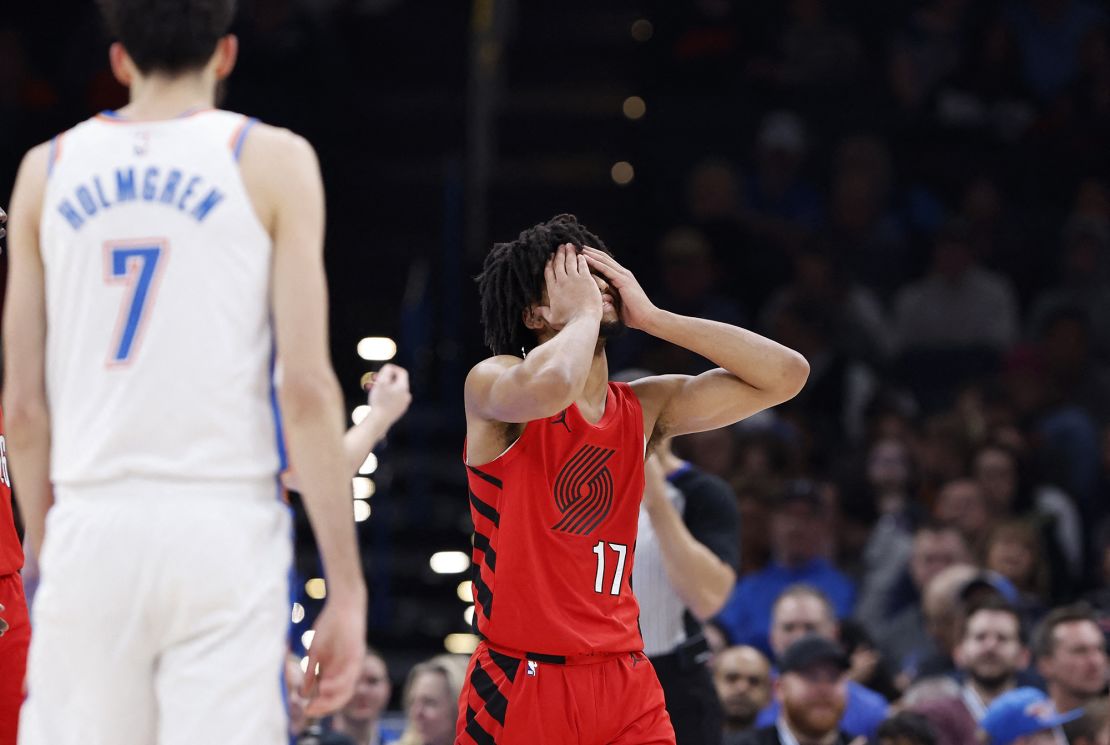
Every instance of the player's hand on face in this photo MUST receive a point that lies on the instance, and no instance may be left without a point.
(571, 289)
(338, 647)
(636, 308)
(389, 392)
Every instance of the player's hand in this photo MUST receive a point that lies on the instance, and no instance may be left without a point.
(636, 308)
(3, 219)
(3, 624)
(571, 289)
(389, 393)
(338, 647)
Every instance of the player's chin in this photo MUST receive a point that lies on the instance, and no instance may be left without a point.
(611, 327)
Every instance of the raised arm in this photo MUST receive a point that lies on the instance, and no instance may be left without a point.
(754, 372)
(281, 170)
(702, 580)
(26, 414)
(553, 374)
(389, 400)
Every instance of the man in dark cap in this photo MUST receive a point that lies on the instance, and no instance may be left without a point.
(812, 690)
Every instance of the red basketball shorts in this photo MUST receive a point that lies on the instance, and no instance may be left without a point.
(13, 655)
(604, 700)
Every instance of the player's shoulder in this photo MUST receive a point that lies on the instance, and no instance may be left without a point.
(484, 374)
(492, 366)
(267, 141)
(31, 178)
(37, 158)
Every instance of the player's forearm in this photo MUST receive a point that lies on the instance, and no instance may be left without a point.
(761, 363)
(558, 368)
(312, 415)
(700, 578)
(28, 445)
(360, 439)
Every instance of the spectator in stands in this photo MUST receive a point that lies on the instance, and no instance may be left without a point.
(1071, 656)
(360, 719)
(906, 728)
(949, 718)
(868, 237)
(803, 611)
(1048, 34)
(859, 324)
(942, 608)
(1093, 728)
(742, 676)
(1083, 284)
(1099, 597)
(891, 481)
(959, 306)
(1015, 551)
(990, 655)
(811, 691)
(904, 639)
(797, 540)
(1024, 716)
(1010, 492)
(431, 700)
(962, 504)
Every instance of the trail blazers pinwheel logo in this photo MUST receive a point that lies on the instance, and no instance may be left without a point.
(584, 490)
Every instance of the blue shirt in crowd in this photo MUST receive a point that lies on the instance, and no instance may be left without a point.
(746, 617)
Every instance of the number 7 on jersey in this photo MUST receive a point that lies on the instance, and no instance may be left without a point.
(134, 264)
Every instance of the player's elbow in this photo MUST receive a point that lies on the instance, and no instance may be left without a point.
(795, 373)
(712, 593)
(25, 415)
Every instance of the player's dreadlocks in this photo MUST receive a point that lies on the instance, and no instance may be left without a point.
(512, 279)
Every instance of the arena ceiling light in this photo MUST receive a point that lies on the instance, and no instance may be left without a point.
(449, 562)
(461, 643)
(377, 348)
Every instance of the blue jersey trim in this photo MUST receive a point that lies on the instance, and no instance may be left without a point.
(53, 155)
(279, 430)
(237, 148)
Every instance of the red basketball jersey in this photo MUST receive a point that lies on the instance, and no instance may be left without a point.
(11, 553)
(555, 530)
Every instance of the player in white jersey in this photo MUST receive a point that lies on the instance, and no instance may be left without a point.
(160, 257)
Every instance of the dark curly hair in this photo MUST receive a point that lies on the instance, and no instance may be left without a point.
(512, 279)
(168, 36)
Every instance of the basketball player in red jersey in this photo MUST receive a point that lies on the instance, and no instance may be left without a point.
(15, 628)
(555, 463)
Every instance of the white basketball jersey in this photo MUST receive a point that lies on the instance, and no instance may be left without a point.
(159, 346)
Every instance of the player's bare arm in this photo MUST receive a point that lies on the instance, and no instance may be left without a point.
(505, 389)
(389, 399)
(283, 178)
(754, 372)
(25, 405)
(700, 578)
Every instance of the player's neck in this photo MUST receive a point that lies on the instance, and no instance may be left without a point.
(591, 402)
(164, 97)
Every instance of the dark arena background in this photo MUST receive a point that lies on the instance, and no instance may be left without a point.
(914, 194)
